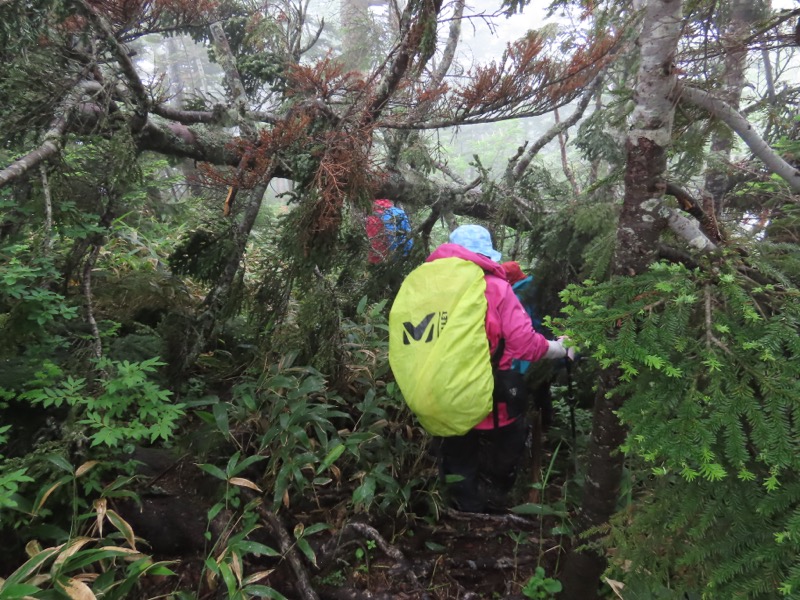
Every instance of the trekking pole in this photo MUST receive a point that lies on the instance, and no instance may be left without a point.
(571, 403)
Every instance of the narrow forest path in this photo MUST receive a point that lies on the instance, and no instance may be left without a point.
(409, 556)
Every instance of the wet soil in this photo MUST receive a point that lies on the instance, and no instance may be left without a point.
(413, 557)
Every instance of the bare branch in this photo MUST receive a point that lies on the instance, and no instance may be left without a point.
(176, 139)
(450, 48)
(140, 96)
(314, 39)
(188, 117)
(48, 148)
(215, 116)
(48, 210)
(691, 206)
(53, 137)
(568, 172)
(86, 288)
(404, 53)
(515, 171)
(745, 130)
(688, 230)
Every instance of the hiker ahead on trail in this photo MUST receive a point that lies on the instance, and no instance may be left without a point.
(522, 285)
(455, 328)
(388, 230)
(539, 386)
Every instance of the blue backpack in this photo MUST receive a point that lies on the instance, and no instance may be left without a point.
(398, 230)
(524, 289)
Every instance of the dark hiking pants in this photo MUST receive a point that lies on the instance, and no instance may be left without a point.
(485, 461)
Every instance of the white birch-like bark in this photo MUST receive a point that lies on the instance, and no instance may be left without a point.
(640, 226)
(655, 88)
(649, 136)
(48, 210)
(688, 230)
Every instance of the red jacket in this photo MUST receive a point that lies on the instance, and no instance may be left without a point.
(378, 240)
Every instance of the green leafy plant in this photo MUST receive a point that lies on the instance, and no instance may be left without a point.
(540, 586)
(83, 567)
(312, 437)
(226, 563)
(385, 440)
(129, 406)
(557, 509)
(363, 555)
(27, 305)
(88, 563)
(10, 478)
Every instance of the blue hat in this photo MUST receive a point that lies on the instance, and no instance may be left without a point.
(476, 239)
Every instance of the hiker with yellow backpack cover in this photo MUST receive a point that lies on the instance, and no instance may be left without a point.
(455, 328)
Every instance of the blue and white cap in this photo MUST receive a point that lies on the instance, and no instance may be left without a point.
(475, 238)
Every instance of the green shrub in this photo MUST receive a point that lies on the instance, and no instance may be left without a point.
(710, 374)
(127, 407)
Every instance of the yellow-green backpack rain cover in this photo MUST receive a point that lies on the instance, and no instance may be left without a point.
(438, 349)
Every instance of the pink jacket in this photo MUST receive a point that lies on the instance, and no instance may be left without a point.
(505, 317)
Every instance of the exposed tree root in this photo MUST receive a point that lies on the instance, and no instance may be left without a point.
(288, 549)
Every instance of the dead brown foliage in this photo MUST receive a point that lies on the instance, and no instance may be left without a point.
(330, 154)
(146, 15)
(527, 81)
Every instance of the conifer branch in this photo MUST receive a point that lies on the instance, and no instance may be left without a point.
(674, 255)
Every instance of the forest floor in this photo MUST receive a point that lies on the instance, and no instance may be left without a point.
(448, 555)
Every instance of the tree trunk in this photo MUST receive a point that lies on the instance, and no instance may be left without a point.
(638, 232)
(178, 70)
(195, 339)
(355, 26)
(206, 322)
(722, 140)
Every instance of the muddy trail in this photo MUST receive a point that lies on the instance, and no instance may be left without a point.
(433, 555)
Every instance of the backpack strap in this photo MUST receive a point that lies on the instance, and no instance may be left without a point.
(497, 356)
